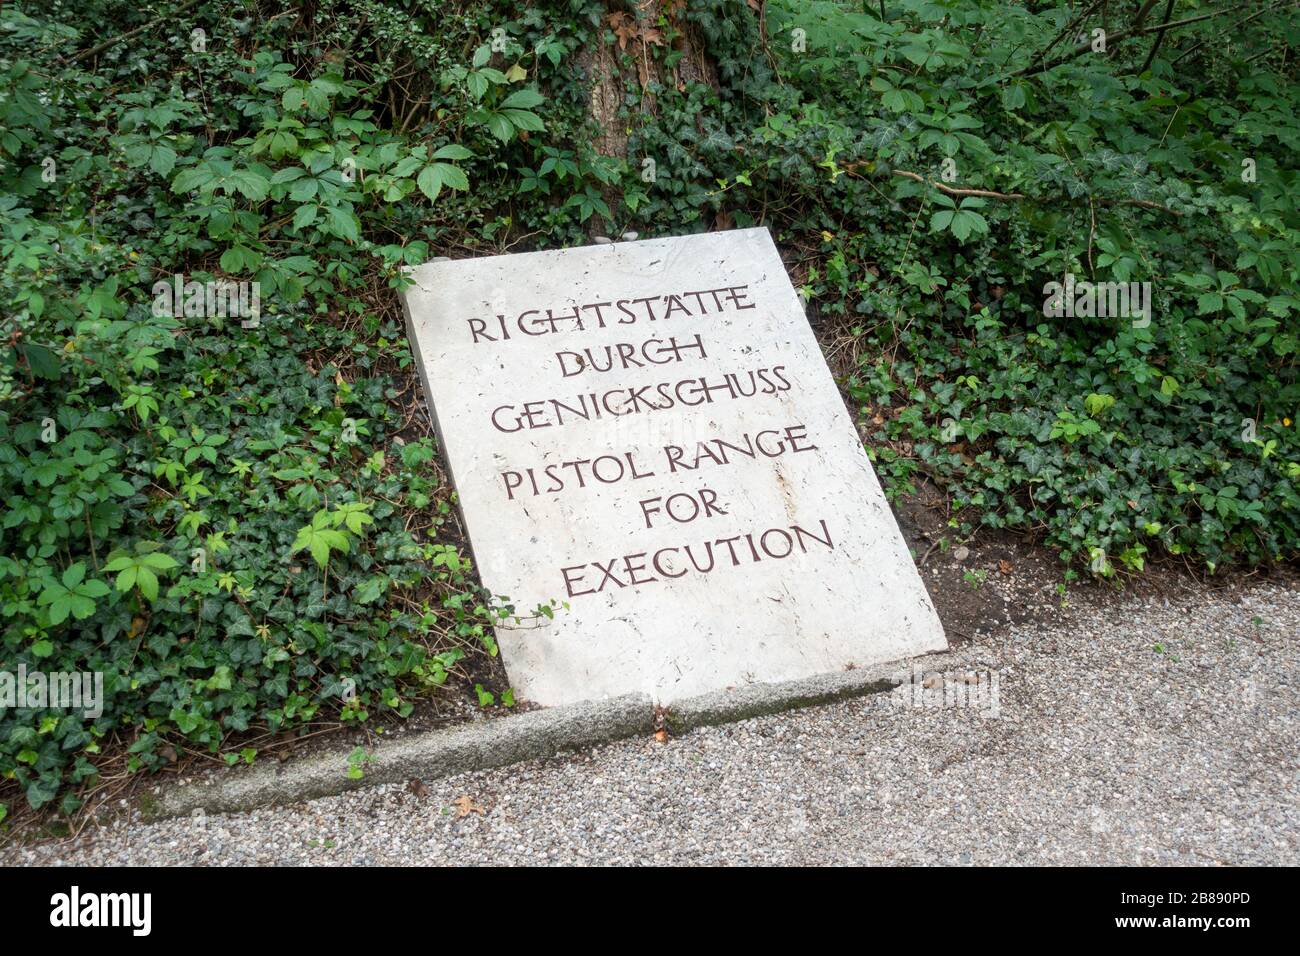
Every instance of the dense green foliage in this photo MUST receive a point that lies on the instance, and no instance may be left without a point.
(237, 521)
(227, 521)
(1111, 438)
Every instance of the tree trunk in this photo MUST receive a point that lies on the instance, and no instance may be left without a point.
(637, 36)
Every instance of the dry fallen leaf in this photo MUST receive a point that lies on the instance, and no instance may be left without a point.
(624, 26)
(1004, 566)
(465, 806)
(661, 735)
(416, 786)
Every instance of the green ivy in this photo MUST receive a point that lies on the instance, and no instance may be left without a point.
(229, 516)
(236, 523)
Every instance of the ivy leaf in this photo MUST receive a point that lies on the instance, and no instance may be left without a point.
(430, 182)
(41, 360)
(189, 180)
(162, 159)
(523, 119)
(1208, 302)
(249, 184)
(320, 539)
(305, 216)
(42, 790)
(72, 595)
(500, 126)
(523, 100)
(965, 222)
(453, 177)
(453, 151)
(436, 175)
(343, 222)
(240, 258)
(140, 571)
(148, 584)
(371, 589)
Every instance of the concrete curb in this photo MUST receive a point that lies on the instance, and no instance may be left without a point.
(759, 700)
(527, 736)
(439, 753)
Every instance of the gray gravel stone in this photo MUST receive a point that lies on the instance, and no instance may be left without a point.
(1104, 750)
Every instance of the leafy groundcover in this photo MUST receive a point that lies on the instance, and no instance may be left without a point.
(235, 514)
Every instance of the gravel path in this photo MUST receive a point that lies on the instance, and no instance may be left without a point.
(1147, 733)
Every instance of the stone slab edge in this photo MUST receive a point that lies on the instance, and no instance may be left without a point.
(759, 700)
(507, 740)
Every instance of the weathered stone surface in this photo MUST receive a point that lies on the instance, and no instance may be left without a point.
(646, 439)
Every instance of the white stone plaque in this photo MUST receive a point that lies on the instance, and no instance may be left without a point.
(645, 438)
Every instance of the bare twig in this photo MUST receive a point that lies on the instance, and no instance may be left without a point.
(1242, 22)
(1083, 48)
(1160, 35)
(114, 41)
(958, 190)
(1070, 25)
(1092, 232)
(1011, 197)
